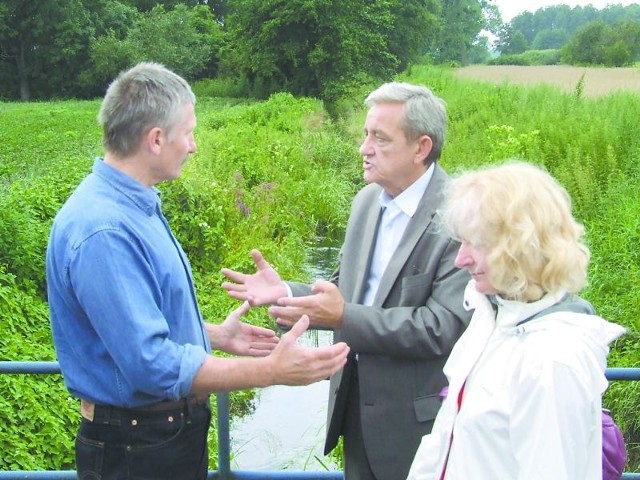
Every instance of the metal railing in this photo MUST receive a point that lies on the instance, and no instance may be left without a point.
(224, 471)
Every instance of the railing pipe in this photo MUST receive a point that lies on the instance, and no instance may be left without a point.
(224, 438)
(224, 471)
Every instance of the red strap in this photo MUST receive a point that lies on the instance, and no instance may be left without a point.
(460, 395)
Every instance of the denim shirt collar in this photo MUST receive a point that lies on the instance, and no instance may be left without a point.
(147, 199)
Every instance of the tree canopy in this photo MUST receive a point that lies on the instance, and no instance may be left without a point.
(72, 48)
(584, 35)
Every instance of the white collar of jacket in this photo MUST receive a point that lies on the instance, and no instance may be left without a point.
(511, 313)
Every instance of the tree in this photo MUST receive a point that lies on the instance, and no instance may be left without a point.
(511, 41)
(460, 23)
(492, 17)
(184, 39)
(600, 44)
(41, 44)
(315, 48)
(44, 46)
(550, 38)
(585, 47)
(415, 23)
(480, 51)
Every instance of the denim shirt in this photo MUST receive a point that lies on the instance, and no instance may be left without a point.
(124, 316)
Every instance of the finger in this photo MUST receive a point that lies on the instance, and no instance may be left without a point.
(241, 310)
(233, 287)
(290, 314)
(259, 260)
(259, 353)
(263, 347)
(262, 332)
(244, 296)
(237, 277)
(298, 328)
(319, 286)
(338, 350)
(284, 324)
(289, 301)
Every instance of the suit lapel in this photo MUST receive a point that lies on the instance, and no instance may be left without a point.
(415, 229)
(369, 233)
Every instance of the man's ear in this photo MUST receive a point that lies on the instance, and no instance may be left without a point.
(154, 140)
(423, 149)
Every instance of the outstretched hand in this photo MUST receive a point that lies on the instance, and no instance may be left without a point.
(295, 364)
(261, 288)
(239, 338)
(324, 308)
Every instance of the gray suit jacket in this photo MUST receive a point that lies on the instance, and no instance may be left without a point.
(404, 338)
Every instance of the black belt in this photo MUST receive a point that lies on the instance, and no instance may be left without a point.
(96, 412)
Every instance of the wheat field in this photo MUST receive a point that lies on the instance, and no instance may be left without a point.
(597, 81)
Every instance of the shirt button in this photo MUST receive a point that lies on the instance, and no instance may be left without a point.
(134, 422)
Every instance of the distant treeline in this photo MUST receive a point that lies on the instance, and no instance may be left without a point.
(577, 36)
(318, 48)
(62, 49)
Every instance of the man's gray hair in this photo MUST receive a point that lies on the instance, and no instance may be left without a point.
(425, 113)
(146, 96)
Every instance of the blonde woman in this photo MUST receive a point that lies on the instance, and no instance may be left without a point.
(527, 376)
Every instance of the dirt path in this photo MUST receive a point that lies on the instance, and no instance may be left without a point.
(597, 81)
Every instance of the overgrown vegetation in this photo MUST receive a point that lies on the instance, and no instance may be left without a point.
(267, 175)
(272, 174)
(317, 48)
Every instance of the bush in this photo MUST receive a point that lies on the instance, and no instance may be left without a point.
(530, 57)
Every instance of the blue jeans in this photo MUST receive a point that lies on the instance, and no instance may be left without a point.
(127, 444)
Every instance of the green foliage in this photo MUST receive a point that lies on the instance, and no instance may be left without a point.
(272, 174)
(416, 25)
(184, 39)
(559, 26)
(319, 48)
(511, 41)
(551, 38)
(529, 58)
(314, 48)
(267, 174)
(38, 420)
(221, 87)
(460, 23)
(591, 146)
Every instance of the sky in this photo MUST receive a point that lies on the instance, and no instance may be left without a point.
(511, 8)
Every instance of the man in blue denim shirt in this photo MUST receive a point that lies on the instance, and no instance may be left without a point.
(129, 336)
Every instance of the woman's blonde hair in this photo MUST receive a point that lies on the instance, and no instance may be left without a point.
(521, 217)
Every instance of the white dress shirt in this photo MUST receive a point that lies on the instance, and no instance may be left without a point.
(395, 217)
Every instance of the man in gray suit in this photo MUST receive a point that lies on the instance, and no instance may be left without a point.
(395, 298)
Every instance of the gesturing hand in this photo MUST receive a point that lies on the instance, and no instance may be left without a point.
(324, 308)
(239, 338)
(295, 364)
(261, 288)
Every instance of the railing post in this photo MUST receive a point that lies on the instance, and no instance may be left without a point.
(224, 441)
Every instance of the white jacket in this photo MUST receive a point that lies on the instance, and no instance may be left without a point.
(531, 407)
